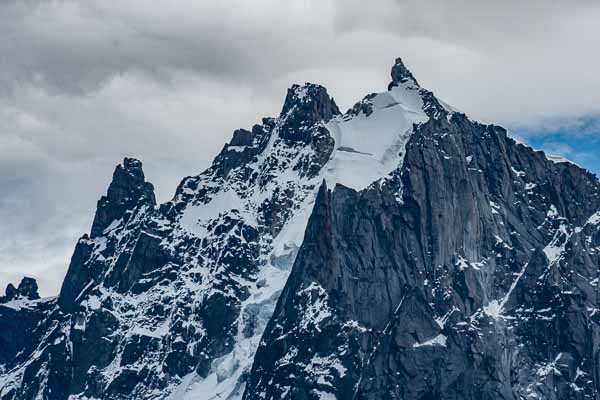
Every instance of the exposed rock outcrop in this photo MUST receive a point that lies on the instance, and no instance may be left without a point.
(27, 290)
(476, 283)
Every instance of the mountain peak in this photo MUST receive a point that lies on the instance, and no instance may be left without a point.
(310, 98)
(303, 107)
(27, 289)
(128, 174)
(127, 187)
(132, 164)
(400, 74)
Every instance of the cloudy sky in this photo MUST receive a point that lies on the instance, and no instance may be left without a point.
(85, 83)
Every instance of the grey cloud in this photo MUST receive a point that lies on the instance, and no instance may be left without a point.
(515, 61)
(77, 46)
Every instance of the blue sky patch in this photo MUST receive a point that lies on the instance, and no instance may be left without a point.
(577, 141)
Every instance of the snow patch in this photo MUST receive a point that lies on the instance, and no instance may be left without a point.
(317, 310)
(439, 340)
(517, 172)
(493, 309)
(552, 212)
(324, 395)
(556, 247)
(378, 140)
(594, 219)
(462, 264)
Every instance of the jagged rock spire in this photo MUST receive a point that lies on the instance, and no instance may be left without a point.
(11, 292)
(127, 188)
(313, 99)
(27, 289)
(127, 194)
(303, 107)
(401, 74)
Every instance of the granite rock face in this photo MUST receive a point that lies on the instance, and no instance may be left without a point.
(480, 281)
(397, 251)
(127, 189)
(401, 74)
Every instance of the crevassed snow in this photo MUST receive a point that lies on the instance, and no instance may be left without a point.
(368, 148)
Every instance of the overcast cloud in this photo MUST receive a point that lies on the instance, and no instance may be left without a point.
(85, 83)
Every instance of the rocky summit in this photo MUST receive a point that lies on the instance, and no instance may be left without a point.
(399, 250)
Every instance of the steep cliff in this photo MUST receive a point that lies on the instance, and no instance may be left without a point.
(471, 273)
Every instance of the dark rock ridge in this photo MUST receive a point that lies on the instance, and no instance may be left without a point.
(27, 290)
(127, 188)
(157, 294)
(481, 283)
(469, 270)
(306, 106)
(401, 74)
